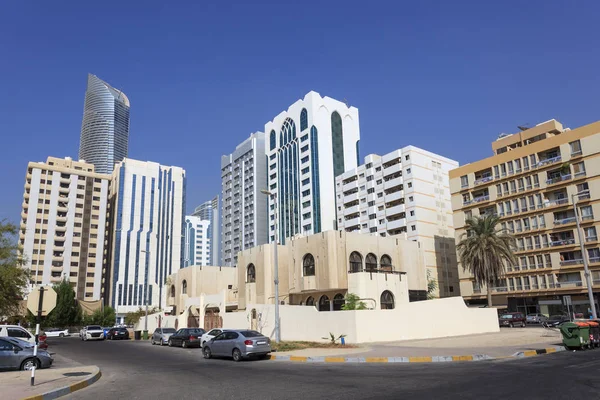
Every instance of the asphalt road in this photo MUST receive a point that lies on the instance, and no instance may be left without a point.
(138, 370)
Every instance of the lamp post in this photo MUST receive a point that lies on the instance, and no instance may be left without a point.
(586, 269)
(145, 333)
(273, 197)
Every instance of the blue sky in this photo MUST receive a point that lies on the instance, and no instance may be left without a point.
(444, 76)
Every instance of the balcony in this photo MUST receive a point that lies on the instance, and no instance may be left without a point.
(591, 239)
(558, 179)
(569, 284)
(392, 183)
(557, 202)
(60, 218)
(400, 208)
(59, 248)
(61, 228)
(483, 180)
(399, 223)
(350, 185)
(479, 199)
(396, 168)
(351, 210)
(352, 222)
(502, 289)
(63, 189)
(579, 174)
(594, 260)
(351, 197)
(575, 261)
(562, 242)
(394, 196)
(565, 221)
(549, 161)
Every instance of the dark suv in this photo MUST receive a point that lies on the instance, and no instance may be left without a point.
(512, 319)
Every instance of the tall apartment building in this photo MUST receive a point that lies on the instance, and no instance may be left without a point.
(532, 182)
(197, 242)
(405, 192)
(209, 211)
(147, 206)
(63, 224)
(105, 126)
(309, 145)
(244, 208)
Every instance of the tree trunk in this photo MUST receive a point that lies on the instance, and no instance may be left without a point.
(489, 294)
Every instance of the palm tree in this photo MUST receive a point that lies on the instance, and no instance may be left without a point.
(484, 251)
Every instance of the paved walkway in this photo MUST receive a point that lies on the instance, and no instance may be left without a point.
(17, 385)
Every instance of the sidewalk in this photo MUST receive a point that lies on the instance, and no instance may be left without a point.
(55, 381)
(505, 343)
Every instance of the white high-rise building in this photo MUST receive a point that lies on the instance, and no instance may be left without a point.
(244, 208)
(209, 211)
(147, 205)
(63, 225)
(404, 192)
(197, 246)
(308, 146)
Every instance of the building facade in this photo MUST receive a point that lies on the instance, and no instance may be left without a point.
(147, 219)
(308, 146)
(63, 225)
(105, 126)
(405, 192)
(534, 182)
(209, 211)
(244, 208)
(197, 244)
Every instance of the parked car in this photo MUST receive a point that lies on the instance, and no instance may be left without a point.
(92, 332)
(161, 336)
(536, 318)
(186, 337)
(238, 344)
(57, 332)
(118, 333)
(556, 320)
(512, 319)
(211, 334)
(17, 354)
(105, 329)
(18, 332)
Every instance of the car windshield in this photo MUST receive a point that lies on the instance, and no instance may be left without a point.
(251, 334)
(197, 331)
(507, 316)
(94, 328)
(168, 330)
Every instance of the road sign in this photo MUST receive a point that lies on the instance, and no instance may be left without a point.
(48, 302)
(567, 300)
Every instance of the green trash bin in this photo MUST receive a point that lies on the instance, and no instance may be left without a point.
(575, 335)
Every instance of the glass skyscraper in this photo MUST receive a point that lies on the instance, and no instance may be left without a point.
(209, 211)
(105, 127)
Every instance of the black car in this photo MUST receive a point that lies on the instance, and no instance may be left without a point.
(186, 337)
(117, 333)
(556, 321)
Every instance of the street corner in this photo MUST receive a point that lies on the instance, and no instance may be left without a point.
(88, 376)
(538, 352)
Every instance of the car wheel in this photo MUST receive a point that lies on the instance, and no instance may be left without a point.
(237, 355)
(206, 353)
(152, 342)
(184, 344)
(29, 364)
(170, 343)
(61, 335)
(162, 343)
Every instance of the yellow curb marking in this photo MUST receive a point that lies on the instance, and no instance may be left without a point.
(529, 353)
(335, 359)
(550, 350)
(297, 358)
(462, 358)
(419, 359)
(376, 359)
(78, 386)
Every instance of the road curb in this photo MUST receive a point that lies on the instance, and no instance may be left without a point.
(65, 390)
(427, 359)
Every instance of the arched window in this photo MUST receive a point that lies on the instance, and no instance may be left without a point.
(303, 120)
(371, 262)
(184, 287)
(250, 274)
(338, 302)
(308, 265)
(172, 290)
(287, 161)
(387, 300)
(337, 141)
(273, 139)
(310, 301)
(324, 303)
(355, 262)
(386, 263)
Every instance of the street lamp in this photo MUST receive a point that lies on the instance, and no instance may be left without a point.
(146, 300)
(273, 197)
(586, 269)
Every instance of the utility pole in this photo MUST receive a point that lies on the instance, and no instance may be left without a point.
(145, 333)
(38, 320)
(273, 197)
(584, 255)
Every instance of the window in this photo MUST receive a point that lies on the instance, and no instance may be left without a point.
(337, 139)
(579, 169)
(387, 300)
(338, 302)
(308, 265)
(412, 213)
(304, 138)
(172, 290)
(371, 262)
(355, 262)
(303, 120)
(304, 160)
(304, 148)
(409, 184)
(324, 303)
(18, 333)
(250, 274)
(386, 263)
(371, 203)
(410, 198)
(413, 228)
(407, 171)
(575, 148)
(464, 181)
(272, 139)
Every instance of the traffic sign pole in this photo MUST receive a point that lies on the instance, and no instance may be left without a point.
(37, 332)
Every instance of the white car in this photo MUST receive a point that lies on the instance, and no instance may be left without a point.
(54, 332)
(211, 334)
(92, 332)
(17, 332)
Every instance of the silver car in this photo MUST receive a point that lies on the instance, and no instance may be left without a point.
(16, 354)
(238, 344)
(161, 335)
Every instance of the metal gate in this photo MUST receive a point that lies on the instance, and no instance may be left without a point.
(212, 319)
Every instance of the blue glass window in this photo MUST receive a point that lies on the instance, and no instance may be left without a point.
(337, 144)
(303, 120)
(272, 140)
(287, 156)
(314, 156)
(304, 138)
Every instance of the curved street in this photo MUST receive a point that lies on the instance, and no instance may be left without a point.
(138, 370)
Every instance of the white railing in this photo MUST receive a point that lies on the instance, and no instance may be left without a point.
(572, 262)
(558, 179)
(549, 161)
(565, 221)
(562, 242)
(484, 179)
